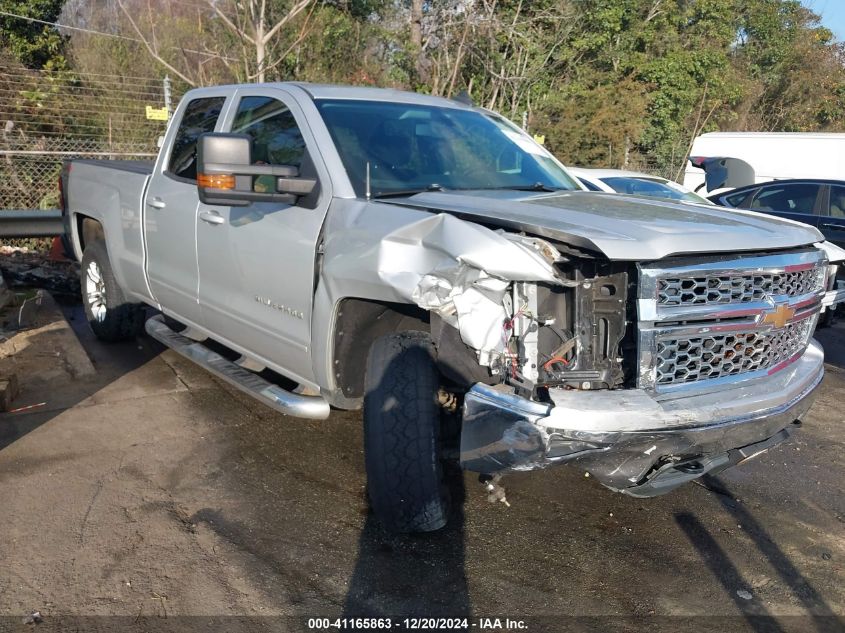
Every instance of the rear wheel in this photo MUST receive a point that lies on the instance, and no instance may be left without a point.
(402, 421)
(110, 316)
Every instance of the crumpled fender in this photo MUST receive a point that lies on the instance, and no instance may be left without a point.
(378, 251)
(462, 271)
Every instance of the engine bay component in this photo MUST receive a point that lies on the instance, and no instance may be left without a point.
(568, 337)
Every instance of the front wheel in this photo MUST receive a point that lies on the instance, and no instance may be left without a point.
(402, 452)
(110, 316)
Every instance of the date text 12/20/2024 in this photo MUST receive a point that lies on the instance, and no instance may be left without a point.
(415, 624)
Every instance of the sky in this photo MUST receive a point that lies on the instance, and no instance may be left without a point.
(833, 15)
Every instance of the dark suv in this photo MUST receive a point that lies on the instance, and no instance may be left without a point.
(820, 203)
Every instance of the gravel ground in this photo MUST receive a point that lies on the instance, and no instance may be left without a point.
(153, 496)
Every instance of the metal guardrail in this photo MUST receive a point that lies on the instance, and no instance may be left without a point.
(31, 223)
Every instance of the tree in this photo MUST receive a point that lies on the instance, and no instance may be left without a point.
(256, 25)
(32, 43)
(797, 71)
(194, 41)
(596, 125)
(602, 79)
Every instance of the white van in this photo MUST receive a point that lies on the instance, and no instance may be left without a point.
(772, 155)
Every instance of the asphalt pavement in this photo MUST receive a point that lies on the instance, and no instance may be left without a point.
(152, 495)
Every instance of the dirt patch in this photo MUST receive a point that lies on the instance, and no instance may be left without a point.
(45, 350)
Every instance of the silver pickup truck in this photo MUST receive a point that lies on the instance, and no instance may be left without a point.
(323, 246)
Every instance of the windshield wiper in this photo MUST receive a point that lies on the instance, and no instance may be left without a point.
(537, 186)
(408, 192)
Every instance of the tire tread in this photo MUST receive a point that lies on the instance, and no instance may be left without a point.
(401, 434)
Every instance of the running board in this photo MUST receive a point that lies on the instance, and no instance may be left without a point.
(311, 407)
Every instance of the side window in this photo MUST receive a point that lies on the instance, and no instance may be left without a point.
(276, 137)
(740, 199)
(797, 198)
(837, 202)
(200, 118)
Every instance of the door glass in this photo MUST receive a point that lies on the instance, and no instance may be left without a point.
(798, 198)
(739, 199)
(837, 202)
(275, 135)
(200, 118)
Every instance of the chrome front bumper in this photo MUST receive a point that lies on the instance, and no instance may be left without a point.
(632, 441)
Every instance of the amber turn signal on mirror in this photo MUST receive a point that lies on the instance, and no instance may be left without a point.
(216, 181)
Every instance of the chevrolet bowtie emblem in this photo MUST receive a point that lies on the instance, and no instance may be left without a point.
(779, 316)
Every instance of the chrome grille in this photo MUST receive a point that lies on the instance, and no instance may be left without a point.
(711, 321)
(688, 359)
(736, 288)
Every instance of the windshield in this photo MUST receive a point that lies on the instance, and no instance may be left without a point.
(652, 189)
(411, 148)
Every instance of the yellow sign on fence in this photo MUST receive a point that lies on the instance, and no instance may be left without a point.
(156, 114)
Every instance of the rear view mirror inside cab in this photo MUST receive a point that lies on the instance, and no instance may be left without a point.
(226, 174)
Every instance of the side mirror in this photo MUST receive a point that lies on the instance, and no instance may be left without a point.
(226, 175)
(721, 173)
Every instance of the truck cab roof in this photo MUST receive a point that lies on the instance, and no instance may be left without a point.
(361, 93)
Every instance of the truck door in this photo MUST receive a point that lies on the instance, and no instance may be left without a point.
(170, 214)
(257, 262)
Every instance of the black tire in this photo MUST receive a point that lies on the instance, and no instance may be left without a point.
(111, 317)
(405, 477)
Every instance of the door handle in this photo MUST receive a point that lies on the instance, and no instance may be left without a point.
(831, 225)
(212, 217)
(156, 203)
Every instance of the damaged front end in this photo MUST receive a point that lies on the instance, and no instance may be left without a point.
(725, 367)
(645, 375)
(533, 317)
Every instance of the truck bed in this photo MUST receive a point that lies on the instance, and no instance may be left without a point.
(111, 192)
(143, 167)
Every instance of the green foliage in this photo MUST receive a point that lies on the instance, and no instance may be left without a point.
(595, 125)
(31, 43)
(343, 52)
(602, 79)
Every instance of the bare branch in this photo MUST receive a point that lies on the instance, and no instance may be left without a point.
(241, 33)
(298, 8)
(152, 51)
(287, 52)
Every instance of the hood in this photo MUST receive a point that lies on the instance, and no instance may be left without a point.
(621, 227)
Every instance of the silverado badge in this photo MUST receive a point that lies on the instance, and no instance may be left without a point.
(278, 306)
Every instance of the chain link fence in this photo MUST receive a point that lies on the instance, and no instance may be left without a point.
(47, 118)
(29, 177)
